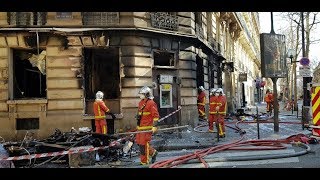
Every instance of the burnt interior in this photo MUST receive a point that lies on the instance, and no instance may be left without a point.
(163, 58)
(28, 81)
(102, 72)
(200, 72)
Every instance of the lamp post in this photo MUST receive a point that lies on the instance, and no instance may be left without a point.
(291, 54)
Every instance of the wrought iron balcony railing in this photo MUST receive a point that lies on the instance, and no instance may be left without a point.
(199, 31)
(164, 20)
(27, 18)
(100, 18)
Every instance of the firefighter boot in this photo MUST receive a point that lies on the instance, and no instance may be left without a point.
(154, 156)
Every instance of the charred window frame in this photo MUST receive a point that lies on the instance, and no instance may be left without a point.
(28, 74)
(164, 59)
(27, 18)
(102, 72)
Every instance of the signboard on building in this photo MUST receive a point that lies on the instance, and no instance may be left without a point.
(242, 77)
(273, 55)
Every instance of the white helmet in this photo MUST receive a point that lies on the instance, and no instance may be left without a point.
(220, 90)
(201, 88)
(212, 91)
(99, 95)
(146, 91)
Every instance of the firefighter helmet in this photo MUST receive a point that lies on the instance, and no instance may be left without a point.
(201, 88)
(212, 91)
(146, 91)
(220, 90)
(99, 95)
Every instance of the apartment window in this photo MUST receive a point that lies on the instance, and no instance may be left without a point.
(164, 20)
(27, 18)
(100, 18)
(29, 75)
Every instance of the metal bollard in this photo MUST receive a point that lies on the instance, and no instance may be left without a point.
(257, 119)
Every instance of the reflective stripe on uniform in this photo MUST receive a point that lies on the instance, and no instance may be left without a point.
(139, 128)
(155, 119)
(144, 113)
(202, 104)
(147, 153)
(216, 103)
(201, 112)
(99, 117)
(104, 130)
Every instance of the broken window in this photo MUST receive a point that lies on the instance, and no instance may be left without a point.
(27, 123)
(102, 74)
(163, 58)
(29, 76)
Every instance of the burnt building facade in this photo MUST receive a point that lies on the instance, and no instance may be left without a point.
(53, 63)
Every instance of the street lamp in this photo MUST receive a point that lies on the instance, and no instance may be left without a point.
(291, 54)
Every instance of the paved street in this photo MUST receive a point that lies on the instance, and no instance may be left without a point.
(176, 144)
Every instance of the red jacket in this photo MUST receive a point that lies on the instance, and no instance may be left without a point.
(220, 101)
(149, 114)
(202, 99)
(100, 109)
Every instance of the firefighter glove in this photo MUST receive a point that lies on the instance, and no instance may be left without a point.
(154, 129)
(217, 108)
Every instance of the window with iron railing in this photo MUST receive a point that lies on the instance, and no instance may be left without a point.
(164, 20)
(100, 18)
(27, 18)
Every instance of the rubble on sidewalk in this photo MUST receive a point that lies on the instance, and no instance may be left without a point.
(64, 149)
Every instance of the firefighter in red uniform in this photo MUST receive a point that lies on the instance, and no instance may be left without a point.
(269, 100)
(201, 103)
(100, 109)
(218, 107)
(147, 119)
(212, 102)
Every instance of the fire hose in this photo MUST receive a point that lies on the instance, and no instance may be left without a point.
(255, 145)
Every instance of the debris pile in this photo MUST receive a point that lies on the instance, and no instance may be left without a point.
(111, 148)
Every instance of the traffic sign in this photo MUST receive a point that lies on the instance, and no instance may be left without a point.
(304, 61)
(305, 71)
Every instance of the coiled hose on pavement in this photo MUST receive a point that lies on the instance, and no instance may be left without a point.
(199, 155)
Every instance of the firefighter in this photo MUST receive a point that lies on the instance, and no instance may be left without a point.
(269, 100)
(201, 103)
(218, 107)
(212, 104)
(100, 109)
(147, 118)
(222, 112)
